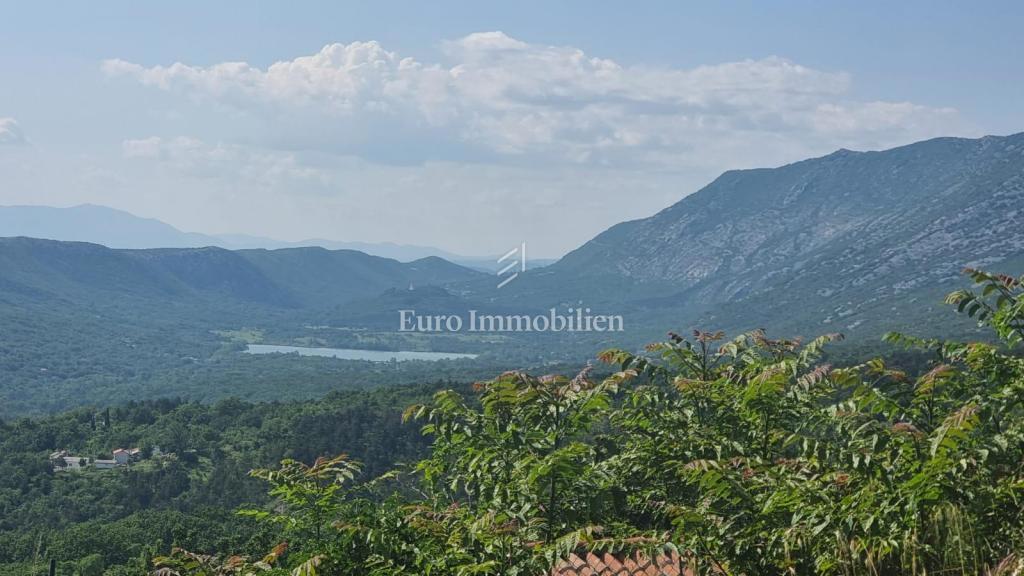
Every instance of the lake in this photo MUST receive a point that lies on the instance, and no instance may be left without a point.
(354, 354)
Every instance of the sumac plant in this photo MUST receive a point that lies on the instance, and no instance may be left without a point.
(746, 455)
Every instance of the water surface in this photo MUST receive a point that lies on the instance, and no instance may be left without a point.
(355, 354)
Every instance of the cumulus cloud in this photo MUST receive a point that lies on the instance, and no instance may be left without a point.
(10, 132)
(501, 98)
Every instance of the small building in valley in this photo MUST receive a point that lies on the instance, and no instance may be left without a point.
(63, 461)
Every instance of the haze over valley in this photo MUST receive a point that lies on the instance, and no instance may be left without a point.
(859, 243)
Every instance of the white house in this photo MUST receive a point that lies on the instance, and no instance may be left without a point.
(105, 464)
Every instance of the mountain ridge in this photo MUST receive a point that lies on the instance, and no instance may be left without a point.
(854, 242)
(116, 228)
(843, 224)
(292, 277)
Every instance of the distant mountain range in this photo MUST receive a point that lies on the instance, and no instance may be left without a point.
(96, 224)
(119, 229)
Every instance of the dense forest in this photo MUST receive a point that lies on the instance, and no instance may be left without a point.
(746, 455)
(83, 326)
(113, 521)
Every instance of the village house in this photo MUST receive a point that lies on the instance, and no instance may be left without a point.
(63, 461)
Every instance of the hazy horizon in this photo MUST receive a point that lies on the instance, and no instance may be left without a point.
(266, 241)
(478, 127)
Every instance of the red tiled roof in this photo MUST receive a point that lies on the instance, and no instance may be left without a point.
(604, 564)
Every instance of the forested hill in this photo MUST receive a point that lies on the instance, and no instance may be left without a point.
(84, 324)
(830, 243)
(307, 277)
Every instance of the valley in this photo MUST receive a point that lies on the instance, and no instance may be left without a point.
(859, 243)
(527, 288)
(228, 361)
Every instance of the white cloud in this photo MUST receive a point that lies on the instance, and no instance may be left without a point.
(358, 142)
(339, 78)
(10, 132)
(505, 100)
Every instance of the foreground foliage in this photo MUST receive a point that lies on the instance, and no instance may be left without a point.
(748, 456)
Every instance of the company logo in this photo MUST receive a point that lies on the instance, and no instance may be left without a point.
(518, 265)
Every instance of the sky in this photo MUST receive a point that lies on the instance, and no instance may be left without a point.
(471, 126)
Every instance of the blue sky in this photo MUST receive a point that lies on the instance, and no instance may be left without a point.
(471, 125)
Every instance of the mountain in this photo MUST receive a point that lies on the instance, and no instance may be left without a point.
(401, 252)
(119, 229)
(853, 242)
(97, 225)
(313, 278)
(857, 242)
(324, 278)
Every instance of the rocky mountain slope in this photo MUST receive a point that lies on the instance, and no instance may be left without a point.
(848, 239)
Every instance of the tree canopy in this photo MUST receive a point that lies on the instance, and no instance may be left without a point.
(747, 455)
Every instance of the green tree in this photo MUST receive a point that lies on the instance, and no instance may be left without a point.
(91, 565)
(748, 456)
(312, 495)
